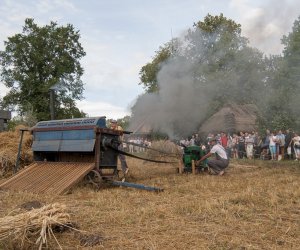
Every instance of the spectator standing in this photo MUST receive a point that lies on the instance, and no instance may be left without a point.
(287, 144)
(208, 138)
(241, 145)
(257, 145)
(192, 141)
(197, 140)
(265, 146)
(280, 137)
(114, 125)
(229, 146)
(249, 141)
(296, 142)
(272, 145)
(223, 140)
(218, 137)
(131, 145)
(234, 146)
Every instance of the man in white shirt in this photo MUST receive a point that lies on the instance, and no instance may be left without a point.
(216, 166)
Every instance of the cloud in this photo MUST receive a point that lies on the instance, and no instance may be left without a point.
(46, 6)
(99, 108)
(265, 23)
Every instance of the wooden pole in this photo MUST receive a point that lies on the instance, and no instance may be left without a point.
(52, 111)
(181, 166)
(193, 167)
(97, 150)
(16, 169)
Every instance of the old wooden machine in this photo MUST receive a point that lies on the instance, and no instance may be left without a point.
(66, 151)
(78, 140)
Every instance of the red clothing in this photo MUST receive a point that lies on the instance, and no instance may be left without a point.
(224, 141)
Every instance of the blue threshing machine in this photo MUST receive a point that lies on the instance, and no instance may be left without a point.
(78, 140)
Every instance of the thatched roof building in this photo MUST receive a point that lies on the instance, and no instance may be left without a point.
(231, 118)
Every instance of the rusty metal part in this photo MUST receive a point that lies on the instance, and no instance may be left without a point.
(94, 178)
(48, 177)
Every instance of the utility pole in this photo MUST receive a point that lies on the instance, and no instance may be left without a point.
(52, 97)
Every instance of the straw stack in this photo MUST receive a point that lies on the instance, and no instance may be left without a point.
(9, 144)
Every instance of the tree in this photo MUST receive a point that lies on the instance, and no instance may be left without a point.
(38, 59)
(290, 72)
(283, 85)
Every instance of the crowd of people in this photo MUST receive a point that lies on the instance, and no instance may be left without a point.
(273, 145)
(137, 144)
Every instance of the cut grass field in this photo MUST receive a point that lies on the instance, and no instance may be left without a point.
(255, 205)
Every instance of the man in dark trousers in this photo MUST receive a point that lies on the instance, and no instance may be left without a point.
(216, 166)
(288, 139)
(114, 125)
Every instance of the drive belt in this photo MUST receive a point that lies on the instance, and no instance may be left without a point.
(138, 157)
(153, 149)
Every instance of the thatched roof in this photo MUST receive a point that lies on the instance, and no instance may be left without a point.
(231, 118)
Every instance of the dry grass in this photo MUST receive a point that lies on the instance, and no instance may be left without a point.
(256, 205)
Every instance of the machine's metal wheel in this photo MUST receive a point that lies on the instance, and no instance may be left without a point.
(95, 178)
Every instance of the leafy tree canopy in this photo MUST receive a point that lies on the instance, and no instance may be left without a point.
(38, 59)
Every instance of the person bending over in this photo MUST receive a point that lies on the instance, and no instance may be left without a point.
(216, 166)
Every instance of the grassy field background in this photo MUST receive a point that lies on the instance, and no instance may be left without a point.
(255, 205)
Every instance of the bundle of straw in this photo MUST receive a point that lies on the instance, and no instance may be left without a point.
(37, 223)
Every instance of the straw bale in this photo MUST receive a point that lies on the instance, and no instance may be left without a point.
(9, 144)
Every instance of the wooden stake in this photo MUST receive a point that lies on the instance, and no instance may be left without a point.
(180, 168)
(193, 167)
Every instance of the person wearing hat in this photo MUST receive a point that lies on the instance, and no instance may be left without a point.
(216, 166)
(114, 125)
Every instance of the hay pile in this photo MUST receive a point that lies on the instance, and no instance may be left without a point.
(36, 225)
(9, 143)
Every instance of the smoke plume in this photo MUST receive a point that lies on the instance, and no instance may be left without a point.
(179, 105)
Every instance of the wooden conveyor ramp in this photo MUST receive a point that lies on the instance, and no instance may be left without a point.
(48, 177)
